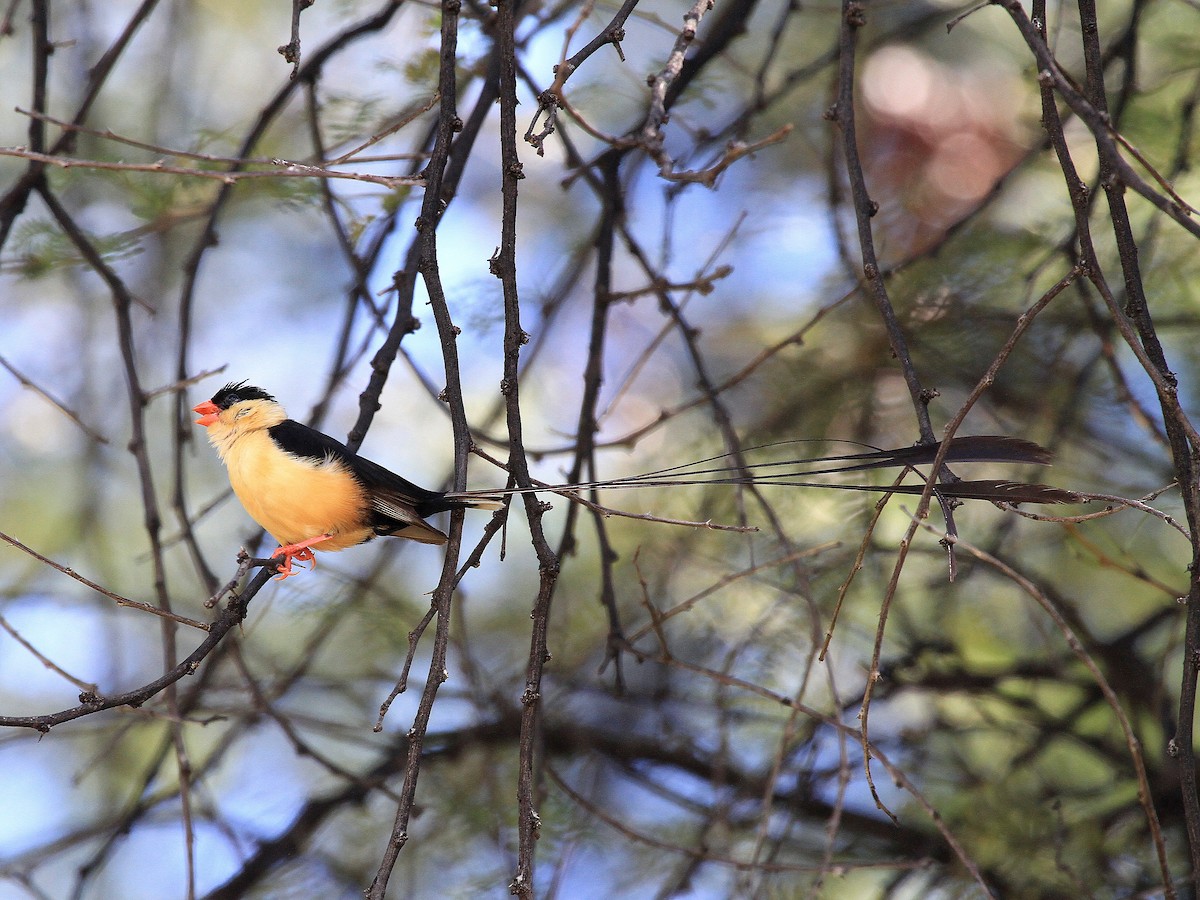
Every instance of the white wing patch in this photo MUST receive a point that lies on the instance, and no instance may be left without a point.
(399, 512)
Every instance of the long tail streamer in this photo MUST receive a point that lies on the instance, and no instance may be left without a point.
(796, 472)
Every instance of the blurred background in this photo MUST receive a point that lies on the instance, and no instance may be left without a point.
(697, 735)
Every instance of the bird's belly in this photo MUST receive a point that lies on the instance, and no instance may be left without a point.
(296, 498)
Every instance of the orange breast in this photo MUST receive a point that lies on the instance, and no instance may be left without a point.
(296, 498)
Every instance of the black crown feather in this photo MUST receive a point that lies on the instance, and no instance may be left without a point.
(237, 392)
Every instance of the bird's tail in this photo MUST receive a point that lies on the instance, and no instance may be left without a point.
(479, 499)
(795, 472)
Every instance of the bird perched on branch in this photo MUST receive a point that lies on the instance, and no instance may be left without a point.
(310, 492)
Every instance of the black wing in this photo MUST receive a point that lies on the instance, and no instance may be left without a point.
(389, 487)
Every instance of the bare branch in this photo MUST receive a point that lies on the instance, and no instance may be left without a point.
(283, 169)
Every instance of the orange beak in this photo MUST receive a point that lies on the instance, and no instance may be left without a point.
(208, 413)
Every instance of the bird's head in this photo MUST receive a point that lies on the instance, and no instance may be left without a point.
(238, 408)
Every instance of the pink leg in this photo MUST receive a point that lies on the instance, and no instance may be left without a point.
(298, 551)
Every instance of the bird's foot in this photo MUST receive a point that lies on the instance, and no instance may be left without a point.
(299, 551)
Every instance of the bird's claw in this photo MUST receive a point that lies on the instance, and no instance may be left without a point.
(300, 551)
(285, 568)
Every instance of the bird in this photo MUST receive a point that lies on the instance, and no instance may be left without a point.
(310, 492)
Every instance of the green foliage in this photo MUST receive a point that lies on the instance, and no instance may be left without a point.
(40, 249)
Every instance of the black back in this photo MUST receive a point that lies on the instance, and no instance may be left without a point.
(303, 441)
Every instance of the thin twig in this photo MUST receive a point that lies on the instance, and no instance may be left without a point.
(54, 401)
(229, 618)
(1133, 745)
(100, 589)
(87, 687)
(282, 169)
(291, 50)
